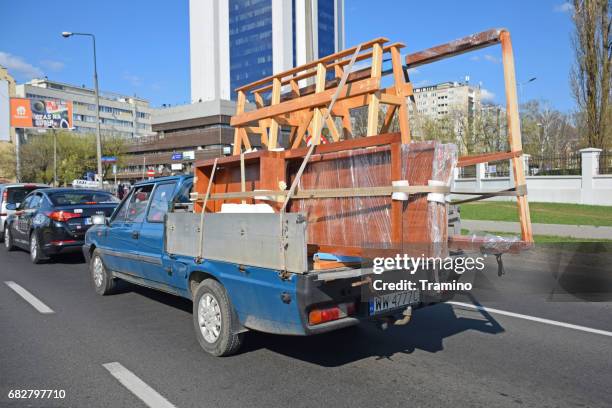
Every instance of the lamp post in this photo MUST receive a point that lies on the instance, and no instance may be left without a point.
(521, 84)
(67, 34)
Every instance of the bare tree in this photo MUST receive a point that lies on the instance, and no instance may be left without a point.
(590, 76)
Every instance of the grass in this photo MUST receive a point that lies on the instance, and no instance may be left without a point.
(544, 213)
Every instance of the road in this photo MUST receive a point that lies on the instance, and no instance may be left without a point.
(449, 355)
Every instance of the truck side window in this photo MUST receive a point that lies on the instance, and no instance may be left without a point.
(138, 203)
(160, 202)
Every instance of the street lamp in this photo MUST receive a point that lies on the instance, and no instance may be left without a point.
(67, 34)
(521, 84)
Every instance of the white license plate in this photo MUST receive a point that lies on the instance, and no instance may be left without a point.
(87, 221)
(390, 301)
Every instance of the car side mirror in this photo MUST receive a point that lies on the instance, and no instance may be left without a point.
(98, 219)
(12, 206)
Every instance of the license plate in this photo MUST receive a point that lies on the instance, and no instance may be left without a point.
(87, 221)
(390, 301)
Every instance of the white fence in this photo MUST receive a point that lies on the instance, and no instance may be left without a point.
(588, 188)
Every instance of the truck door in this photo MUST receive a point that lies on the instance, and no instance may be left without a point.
(124, 235)
(152, 233)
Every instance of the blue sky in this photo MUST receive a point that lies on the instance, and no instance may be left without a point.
(143, 46)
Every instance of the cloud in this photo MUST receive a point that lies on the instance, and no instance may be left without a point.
(475, 58)
(492, 59)
(566, 7)
(486, 95)
(52, 65)
(18, 67)
(134, 80)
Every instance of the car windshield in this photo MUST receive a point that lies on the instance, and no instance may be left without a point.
(82, 197)
(17, 194)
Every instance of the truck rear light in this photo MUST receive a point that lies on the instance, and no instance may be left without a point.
(62, 216)
(318, 316)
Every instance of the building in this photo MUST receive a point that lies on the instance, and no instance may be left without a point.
(447, 98)
(120, 115)
(235, 42)
(183, 135)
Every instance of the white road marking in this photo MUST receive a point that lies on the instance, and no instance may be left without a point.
(30, 298)
(138, 387)
(533, 319)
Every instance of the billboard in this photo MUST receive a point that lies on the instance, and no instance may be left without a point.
(5, 126)
(41, 113)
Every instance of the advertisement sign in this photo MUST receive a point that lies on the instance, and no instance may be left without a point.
(189, 155)
(177, 156)
(40, 113)
(176, 166)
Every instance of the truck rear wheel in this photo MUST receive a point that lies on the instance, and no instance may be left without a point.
(214, 320)
(103, 281)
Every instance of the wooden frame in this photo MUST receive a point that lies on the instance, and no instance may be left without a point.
(302, 109)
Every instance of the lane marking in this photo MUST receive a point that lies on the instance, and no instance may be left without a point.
(30, 298)
(137, 387)
(533, 319)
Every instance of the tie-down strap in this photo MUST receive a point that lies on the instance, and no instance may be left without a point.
(517, 191)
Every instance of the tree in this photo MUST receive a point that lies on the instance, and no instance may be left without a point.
(590, 77)
(7, 161)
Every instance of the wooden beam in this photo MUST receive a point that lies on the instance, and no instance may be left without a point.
(487, 157)
(514, 133)
(302, 128)
(240, 102)
(273, 131)
(388, 118)
(374, 104)
(402, 93)
(309, 101)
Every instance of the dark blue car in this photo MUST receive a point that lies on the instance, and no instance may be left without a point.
(50, 221)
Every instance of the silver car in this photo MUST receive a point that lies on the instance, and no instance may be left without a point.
(13, 194)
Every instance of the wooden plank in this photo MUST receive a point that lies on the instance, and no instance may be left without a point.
(328, 58)
(373, 108)
(302, 128)
(309, 101)
(273, 130)
(456, 47)
(402, 92)
(240, 102)
(514, 133)
(317, 120)
(331, 126)
(388, 118)
(397, 207)
(487, 157)
(379, 140)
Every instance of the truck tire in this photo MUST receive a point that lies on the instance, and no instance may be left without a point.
(103, 281)
(214, 319)
(8, 239)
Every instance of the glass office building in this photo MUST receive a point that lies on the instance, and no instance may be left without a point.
(235, 42)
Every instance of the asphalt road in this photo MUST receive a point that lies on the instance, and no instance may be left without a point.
(447, 355)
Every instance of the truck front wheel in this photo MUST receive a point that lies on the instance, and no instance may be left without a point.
(214, 319)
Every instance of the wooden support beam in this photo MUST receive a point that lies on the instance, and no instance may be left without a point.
(514, 133)
(301, 130)
(275, 100)
(402, 93)
(317, 120)
(331, 126)
(374, 104)
(238, 139)
(388, 118)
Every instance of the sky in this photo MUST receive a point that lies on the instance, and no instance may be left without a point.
(143, 45)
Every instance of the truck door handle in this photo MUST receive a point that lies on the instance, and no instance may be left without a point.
(135, 234)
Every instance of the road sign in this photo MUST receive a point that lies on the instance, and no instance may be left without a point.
(177, 156)
(114, 169)
(151, 173)
(109, 159)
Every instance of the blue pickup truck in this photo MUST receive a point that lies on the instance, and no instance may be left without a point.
(243, 271)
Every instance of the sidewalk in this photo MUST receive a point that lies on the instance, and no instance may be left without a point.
(559, 230)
